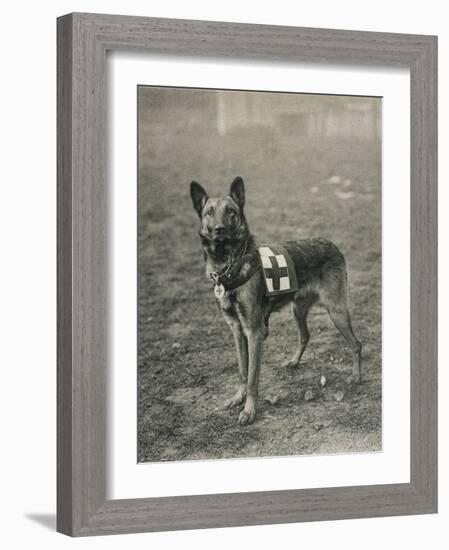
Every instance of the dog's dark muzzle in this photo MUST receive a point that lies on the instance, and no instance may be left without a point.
(219, 230)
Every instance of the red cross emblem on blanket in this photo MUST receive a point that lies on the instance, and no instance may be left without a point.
(278, 270)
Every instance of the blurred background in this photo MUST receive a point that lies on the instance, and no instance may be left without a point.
(312, 167)
(290, 115)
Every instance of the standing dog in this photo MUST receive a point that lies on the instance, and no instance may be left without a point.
(234, 266)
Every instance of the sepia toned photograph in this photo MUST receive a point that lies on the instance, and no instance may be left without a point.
(259, 274)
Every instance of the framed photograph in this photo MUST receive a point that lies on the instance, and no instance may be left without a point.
(247, 282)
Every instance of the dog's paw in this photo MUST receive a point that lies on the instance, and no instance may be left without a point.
(236, 399)
(233, 402)
(247, 417)
(353, 380)
(290, 364)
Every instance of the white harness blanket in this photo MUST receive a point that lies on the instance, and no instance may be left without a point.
(278, 269)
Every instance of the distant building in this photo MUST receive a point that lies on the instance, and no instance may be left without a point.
(305, 115)
(289, 114)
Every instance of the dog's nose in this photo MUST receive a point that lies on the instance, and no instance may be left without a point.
(219, 229)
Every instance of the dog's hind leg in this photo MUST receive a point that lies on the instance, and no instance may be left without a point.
(334, 298)
(342, 320)
(333, 295)
(241, 346)
(301, 307)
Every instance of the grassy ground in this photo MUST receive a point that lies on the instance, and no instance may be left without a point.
(186, 359)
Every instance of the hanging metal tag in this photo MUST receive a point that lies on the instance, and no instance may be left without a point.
(219, 291)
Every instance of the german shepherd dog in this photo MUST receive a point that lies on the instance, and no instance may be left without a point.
(233, 265)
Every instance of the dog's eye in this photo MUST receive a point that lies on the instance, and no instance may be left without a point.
(210, 212)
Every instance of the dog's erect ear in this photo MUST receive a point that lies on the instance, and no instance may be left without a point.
(238, 191)
(199, 197)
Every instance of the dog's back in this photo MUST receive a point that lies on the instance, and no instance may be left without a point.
(319, 266)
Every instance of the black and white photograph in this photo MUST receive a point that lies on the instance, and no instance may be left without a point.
(259, 274)
(220, 275)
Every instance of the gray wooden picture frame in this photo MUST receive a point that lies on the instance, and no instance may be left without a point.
(83, 40)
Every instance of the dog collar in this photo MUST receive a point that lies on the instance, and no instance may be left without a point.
(237, 273)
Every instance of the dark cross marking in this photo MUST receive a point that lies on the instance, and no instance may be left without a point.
(276, 272)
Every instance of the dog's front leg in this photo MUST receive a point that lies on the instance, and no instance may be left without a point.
(241, 347)
(255, 338)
